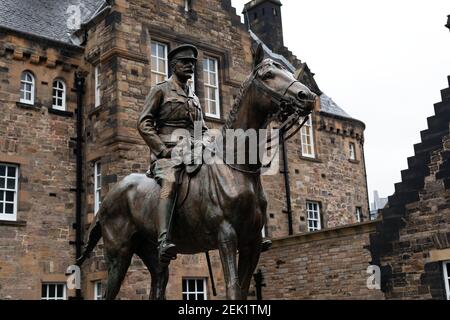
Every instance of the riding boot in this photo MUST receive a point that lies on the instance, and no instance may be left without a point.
(166, 249)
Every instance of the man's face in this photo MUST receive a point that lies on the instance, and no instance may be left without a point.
(184, 69)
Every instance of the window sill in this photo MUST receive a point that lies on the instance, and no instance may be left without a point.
(67, 114)
(353, 161)
(216, 120)
(18, 223)
(311, 159)
(28, 106)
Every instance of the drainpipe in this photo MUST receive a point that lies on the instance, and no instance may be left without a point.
(287, 185)
(365, 176)
(79, 89)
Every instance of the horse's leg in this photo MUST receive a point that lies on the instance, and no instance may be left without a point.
(160, 276)
(248, 260)
(227, 250)
(118, 262)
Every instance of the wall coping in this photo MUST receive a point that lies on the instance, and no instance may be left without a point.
(326, 234)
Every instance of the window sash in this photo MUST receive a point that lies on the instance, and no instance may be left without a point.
(59, 95)
(446, 273)
(358, 214)
(97, 86)
(307, 139)
(6, 180)
(192, 291)
(158, 60)
(97, 186)
(98, 290)
(53, 291)
(352, 151)
(313, 216)
(27, 88)
(211, 84)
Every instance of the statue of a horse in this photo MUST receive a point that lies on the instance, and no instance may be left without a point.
(224, 207)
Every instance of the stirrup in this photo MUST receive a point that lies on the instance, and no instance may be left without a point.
(265, 245)
(167, 251)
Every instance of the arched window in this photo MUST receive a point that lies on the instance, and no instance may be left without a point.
(59, 95)
(27, 88)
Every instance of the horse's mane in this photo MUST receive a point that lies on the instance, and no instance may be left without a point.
(237, 102)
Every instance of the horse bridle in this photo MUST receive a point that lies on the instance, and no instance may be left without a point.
(283, 103)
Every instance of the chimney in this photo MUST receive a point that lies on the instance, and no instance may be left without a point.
(448, 22)
(263, 17)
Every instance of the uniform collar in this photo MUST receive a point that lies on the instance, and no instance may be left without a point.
(175, 86)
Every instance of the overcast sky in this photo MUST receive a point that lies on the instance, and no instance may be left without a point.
(384, 62)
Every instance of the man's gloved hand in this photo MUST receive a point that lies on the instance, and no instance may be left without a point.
(166, 153)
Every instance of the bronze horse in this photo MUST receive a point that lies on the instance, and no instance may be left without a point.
(226, 205)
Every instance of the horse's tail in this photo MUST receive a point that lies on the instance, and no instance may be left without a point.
(95, 234)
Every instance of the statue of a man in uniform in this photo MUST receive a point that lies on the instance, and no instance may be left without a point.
(170, 105)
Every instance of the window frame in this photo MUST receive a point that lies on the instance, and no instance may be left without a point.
(446, 275)
(22, 88)
(97, 88)
(56, 291)
(352, 151)
(308, 217)
(61, 107)
(3, 190)
(207, 85)
(358, 214)
(98, 295)
(97, 186)
(307, 131)
(196, 292)
(155, 73)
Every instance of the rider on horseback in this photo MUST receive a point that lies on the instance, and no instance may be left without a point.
(170, 105)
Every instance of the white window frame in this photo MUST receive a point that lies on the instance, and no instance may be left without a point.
(207, 74)
(187, 5)
(352, 151)
(313, 215)
(23, 91)
(97, 86)
(307, 133)
(97, 186)
(358, 214)
(191, 83)
(47, 284)
(446, 274)
(4, 189)
(59, 86)
(155, 72)
(98, 290)
(196, 290)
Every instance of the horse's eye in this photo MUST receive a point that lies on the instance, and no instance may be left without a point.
(268, 75)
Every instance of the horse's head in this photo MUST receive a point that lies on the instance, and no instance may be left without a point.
(284, 94)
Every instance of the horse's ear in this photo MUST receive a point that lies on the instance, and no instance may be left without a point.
(258, 55)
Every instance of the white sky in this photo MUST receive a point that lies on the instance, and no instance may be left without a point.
(384, 62)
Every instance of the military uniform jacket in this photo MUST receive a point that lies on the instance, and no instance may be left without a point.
(167, 108)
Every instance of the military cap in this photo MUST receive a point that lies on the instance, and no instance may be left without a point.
(185, 51)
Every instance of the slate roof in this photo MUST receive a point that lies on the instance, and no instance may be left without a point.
(45, 18)
(329, 106)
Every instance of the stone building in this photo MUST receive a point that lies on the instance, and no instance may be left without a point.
(73, 80)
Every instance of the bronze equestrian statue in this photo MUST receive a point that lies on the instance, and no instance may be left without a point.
(222, 206)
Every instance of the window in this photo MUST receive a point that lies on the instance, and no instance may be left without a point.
(307, 139)
(97, 186)
(27, 88)
(9, 174)
(59, 95)
(313, 213)
(187, 5)
(97, 86)
(191, 83)
(275, 12)
(358, 214)
(53, 291)
(98, 295)
(446, 269)
(352, 152)
(211, 78)
(159, 62)
(194, 289)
